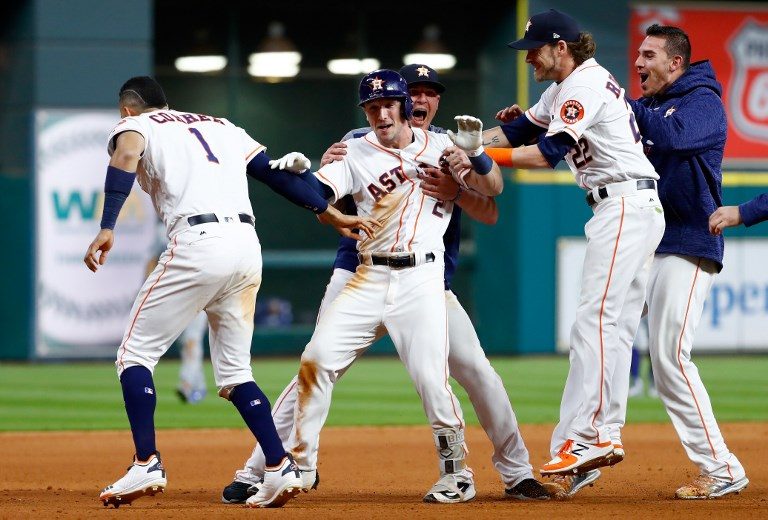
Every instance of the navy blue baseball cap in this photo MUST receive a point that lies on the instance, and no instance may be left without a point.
(547, 27)
(418, 73)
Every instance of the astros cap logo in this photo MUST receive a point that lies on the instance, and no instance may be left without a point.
(377, 84)
(423, 71)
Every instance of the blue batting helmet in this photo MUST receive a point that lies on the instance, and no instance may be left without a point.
(385, 83)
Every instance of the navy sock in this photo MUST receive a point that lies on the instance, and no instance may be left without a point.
(634, 368)
(140, 401)
(254, 407)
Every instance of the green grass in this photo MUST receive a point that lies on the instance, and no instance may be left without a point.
(376, 391)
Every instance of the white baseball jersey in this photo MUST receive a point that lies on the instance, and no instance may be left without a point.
(411, 221)
(589, 105)
(192, 163)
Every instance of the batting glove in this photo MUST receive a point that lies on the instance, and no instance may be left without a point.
(294, 162)
(470, 135)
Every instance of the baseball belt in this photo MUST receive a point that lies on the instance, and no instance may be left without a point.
(394, 260)
(602, 191)
(206, 218)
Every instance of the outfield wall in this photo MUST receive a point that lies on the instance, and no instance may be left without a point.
(76, 57)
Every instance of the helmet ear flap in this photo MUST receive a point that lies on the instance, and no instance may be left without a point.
(407, 107)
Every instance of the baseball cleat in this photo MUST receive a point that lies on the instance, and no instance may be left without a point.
(528, 489)
(452, 488)
(145, 478)
(616, 456)
(704, 486)
(563, 487)
(238, 492)
(578, 457)
(279, 485)
(310, 479)
(192, 395)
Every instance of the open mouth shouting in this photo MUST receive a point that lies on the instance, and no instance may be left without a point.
(419, 116)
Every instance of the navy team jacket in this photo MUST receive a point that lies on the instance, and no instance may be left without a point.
(684, 131)
(754, 211)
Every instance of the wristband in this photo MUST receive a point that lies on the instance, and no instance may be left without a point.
(117, 187)
(502, 156)
(482, 164)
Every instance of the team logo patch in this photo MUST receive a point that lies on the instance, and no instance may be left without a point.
(423, 71)
(571, 112)
(748, 96)
(670, 112)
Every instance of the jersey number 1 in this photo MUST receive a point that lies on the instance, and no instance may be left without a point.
(210, 156)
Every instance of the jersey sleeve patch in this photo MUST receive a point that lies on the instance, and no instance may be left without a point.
(571, 112)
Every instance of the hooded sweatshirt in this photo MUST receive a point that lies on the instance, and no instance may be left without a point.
(754, 211)
(684, 131)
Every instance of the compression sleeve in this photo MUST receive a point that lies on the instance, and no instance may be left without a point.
(288, 184)
(117, 187)
(521, 131)
(554, 147)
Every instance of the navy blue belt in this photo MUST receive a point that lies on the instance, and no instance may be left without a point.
(642, 184)
(206, 218)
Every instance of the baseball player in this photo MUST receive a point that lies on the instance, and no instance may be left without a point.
(683, 122)
(191, 388)
(640, 351)
(192, 167)
(399, 282)
(584, 118)
(748, 213)
(466, 359)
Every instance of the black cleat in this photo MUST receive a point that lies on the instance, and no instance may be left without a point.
(528, 489)
(237, 492)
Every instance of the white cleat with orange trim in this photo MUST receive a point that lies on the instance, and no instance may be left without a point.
(578, 457)
(616, 456)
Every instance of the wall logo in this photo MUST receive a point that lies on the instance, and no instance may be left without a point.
(748, 99)
(74, 315)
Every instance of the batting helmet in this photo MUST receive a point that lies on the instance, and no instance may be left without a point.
(385, 83)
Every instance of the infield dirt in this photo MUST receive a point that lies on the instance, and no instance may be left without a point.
(365, 473)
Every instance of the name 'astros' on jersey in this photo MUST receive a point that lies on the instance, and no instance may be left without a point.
(192, 163)
(384, 183)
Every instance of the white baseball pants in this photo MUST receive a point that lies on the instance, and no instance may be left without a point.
(215, 267)
(677, 290)
(410, 303)
(467, 364)
(621, 239)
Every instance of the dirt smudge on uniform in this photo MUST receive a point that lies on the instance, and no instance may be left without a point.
(307, 381)
(358, 279)
(248, 302)
(387, 211)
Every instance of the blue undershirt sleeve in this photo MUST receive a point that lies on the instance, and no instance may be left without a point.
(521, 131)
(299, 190)
(555, 147)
